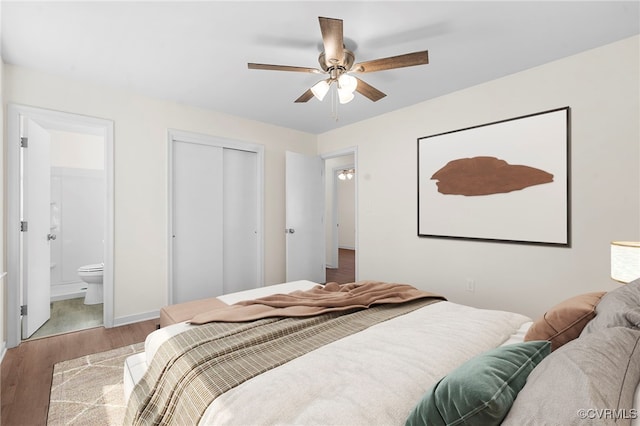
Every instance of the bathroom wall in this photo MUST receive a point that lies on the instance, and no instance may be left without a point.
(77, 209)
(76, 150)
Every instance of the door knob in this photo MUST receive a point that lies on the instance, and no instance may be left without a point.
(289, 230)
(51, 237)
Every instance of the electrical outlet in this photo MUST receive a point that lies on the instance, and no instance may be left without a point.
(471, 285)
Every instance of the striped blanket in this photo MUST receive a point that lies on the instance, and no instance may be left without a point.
(193, 368)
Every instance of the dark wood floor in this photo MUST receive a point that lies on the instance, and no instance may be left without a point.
(346, 272)
(28, 369)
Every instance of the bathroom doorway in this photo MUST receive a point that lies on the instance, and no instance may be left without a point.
(77, 213)
(60, 186)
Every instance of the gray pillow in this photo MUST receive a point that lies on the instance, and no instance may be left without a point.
(612, 309)
(599, 371)
(633, 316)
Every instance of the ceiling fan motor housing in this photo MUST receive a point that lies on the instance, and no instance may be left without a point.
(341, 66)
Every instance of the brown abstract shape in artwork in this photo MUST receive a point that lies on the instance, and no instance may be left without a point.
(485, 176)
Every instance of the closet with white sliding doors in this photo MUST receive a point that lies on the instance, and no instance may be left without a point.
(215, 216)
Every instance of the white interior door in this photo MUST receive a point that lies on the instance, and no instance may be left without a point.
(197, 215)
(240, 217)
(36, 192)
(305, 218)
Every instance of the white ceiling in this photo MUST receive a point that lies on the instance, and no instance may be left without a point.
(197, 52)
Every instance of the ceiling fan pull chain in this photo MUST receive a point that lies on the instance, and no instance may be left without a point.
(334, 104)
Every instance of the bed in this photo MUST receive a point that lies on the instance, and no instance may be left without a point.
(426, 361)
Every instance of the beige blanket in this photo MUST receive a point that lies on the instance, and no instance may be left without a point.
(331, 297)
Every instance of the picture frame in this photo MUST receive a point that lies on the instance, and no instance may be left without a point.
(504, 181)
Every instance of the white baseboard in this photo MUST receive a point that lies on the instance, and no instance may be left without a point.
(130, 319)
(347, 247)
(68, 291)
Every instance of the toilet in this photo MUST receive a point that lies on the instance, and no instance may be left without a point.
(92, 275)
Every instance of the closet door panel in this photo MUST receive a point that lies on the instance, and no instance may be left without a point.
(197, 221)
(240, 205)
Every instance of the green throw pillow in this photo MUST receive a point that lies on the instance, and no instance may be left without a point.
(480, 391)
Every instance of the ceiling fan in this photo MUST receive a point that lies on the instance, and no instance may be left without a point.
(338, 63)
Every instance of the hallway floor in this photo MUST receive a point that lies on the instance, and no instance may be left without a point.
(70, 315)
(346, 271)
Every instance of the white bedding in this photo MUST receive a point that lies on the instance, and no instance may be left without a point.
(373, 377)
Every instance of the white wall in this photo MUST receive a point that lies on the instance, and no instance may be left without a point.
(347, 213)
(602, 88)
(141, 179)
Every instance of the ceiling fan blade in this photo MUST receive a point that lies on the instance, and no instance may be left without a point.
(400, 61)
(332, 38)
(305, 97)
(270, 67)
(368, 90)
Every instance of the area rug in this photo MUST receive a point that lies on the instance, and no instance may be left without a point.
(89, 390)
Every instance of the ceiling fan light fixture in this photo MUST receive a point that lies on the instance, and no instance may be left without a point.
(320, 89)
(346, 174)
(348, 82)
(345, 96)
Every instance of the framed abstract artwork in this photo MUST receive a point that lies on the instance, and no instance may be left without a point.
(505, 181)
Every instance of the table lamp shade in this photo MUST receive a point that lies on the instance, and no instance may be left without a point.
(625, 261)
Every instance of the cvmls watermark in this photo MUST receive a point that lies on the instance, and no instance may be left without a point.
(608, 413)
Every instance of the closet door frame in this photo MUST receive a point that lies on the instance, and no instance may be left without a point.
(214, 141)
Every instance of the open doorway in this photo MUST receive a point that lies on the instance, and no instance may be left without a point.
(60, 253)
(311, 225)
(77, 214)
(340, 231)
